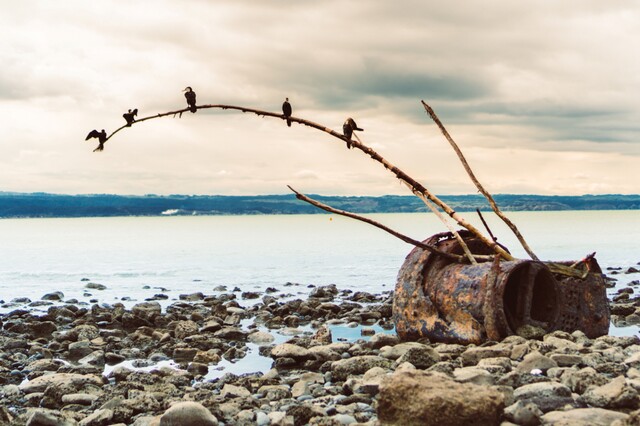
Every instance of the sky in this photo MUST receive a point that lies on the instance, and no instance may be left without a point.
(541, 96)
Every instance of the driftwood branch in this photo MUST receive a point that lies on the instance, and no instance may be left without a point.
(417, 187)
(396, 234)
(484, 192)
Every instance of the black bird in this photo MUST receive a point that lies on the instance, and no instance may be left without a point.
(101, 136)
(129, 116)
(286, 111)
(347, 129)
(191, 98)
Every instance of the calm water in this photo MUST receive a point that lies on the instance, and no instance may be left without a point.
(137, 257)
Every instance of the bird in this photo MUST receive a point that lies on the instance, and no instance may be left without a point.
(101, 136)
(347, 129)
(129, 116)
(190, 95)
(286, 111)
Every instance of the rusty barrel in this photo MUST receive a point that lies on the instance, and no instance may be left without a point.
(445, 301)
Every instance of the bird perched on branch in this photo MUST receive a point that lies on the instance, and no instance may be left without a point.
(347, 129)
(286, 111)
(129, 116)
(190, 95)
(101, 136)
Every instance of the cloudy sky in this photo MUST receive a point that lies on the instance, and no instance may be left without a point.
(542, 96)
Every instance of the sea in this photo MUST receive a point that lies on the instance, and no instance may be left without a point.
(135, 258)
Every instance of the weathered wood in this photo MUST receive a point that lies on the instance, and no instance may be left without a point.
(477, 183)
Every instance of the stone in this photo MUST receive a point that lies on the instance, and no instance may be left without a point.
(39, 384)
(615, 394)
(474, 354)
(232, 391)
(275, 392)
(535, 361)
(357, 365)
(184, 329)
(44, 417)
(548, 396)
(147, 311)
(579, 381)
(422, 357)
(79, 398)
(188, 413)
(100, 417)
(419, 398)
(523, 413)
(566, 360)
(261, 338)
(583, 417)
(475, 375)
(288, 350)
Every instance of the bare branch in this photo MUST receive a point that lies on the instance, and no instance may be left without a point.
(477, 183)
(396, 234)
(416, 186)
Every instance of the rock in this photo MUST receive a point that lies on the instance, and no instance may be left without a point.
(231, 333)
(474, 354)
(100, 417)
(582, 417)
(288, 350)
(184, 329)
(261, 338)
(303, 413)
(79, 398)
(323, 335)
(396, 351)
(95, 286)
(147, 311)
(188, 413)
(535, 361)
(523, 413)
(548, 396)
(56, 296)
(39, 384)
(420, 398)
(615, 394)
(475, 375)
(192, 297)
(579, 381)
(44, 417)
(357, 365)
(232, 391)
(422, 357)
(275, 392)
(566, 360)
(184, 354)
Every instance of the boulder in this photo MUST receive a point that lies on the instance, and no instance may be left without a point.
(419, 398)
(357, 365)
(583, 417)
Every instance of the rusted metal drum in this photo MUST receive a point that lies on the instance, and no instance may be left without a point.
(445, 301)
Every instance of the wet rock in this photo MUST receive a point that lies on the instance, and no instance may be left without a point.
(39, 384)
(56, 296)
(420, 398)
(288, 350)
(95, 286)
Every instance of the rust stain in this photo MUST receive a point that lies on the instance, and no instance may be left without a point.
(444, 301)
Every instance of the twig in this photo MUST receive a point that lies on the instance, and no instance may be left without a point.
(484, 192)
(396, 234)
(415, 185)
(446, 223)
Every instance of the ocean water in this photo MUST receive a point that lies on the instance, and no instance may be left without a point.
(138, 257)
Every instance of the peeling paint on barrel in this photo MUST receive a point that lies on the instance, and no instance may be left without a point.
(444, 301)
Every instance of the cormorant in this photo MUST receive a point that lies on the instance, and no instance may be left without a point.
(347, 129)
(286, 111)
(101, 136)
(129, 116)
(191, 98)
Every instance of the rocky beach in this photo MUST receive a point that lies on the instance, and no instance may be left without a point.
(67, 362)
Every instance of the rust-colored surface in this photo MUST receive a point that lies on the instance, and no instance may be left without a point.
(463, 303)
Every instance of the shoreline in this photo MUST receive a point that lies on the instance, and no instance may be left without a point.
(330, 358)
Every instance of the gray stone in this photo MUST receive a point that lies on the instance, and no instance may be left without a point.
(422, 357)
(357, 365)
(474, 354)
(475, 375)
(615, 394)
(535, 361)
(100, 417)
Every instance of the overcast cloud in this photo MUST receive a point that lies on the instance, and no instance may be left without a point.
(541, 96)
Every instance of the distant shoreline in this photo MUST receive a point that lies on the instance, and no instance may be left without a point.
(44, 205)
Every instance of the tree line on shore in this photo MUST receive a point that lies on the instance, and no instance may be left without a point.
(104, 205)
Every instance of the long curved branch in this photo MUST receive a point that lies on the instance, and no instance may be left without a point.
(477, 183)
(412, 183)
(396, 234)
